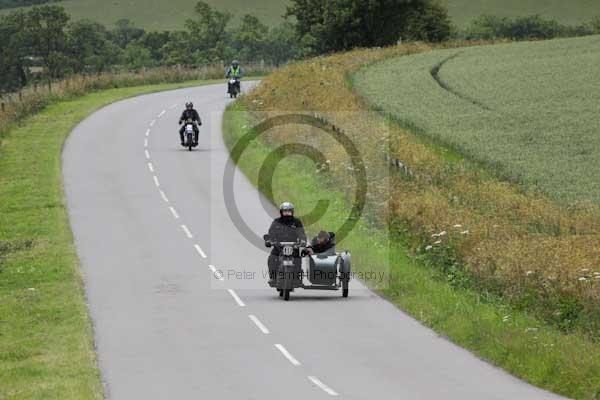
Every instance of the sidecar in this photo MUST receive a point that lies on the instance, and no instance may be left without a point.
(329, 271)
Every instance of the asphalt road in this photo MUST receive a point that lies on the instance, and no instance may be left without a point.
(151, 228)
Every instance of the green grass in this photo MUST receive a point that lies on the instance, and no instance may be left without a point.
(571, 12)
(513, 340)
(156, 15)
(529, 110)
(46, 340)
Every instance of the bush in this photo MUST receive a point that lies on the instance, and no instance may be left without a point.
(490, 27)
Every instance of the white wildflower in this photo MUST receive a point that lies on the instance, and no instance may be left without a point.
(458, 226)
(438, 242)
(428, 248)
(442, 233)
(529, 273)
(582, 279)
(464, 232)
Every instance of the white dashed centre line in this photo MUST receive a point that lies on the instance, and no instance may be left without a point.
(145, 142)
(161, 113)
(175, 215)
(236, 298)
(323, 386)
(199, 250)
(150, 167)
(147, 154)
(148, 132)
(173, 106)
(259, 324)
(187, 231)
(153, 122)
(156, 182)
(287, 355)
(164, 196)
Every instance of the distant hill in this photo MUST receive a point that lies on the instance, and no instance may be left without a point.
(166, 14)
(170, 14)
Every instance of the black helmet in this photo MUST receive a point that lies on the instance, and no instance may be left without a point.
(235, 63)
(286, 206)
(189, 105)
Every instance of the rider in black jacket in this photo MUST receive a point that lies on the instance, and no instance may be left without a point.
(286, 228)
(190, 113)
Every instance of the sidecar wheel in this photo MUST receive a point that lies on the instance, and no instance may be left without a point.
(286, 294)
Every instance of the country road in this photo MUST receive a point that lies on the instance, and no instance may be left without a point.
(151, 229)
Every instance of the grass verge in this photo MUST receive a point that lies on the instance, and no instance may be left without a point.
(512, 339)
(46, 338)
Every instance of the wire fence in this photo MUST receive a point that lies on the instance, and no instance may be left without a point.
(33, 98)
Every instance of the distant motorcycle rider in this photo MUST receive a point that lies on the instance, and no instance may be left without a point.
(286, 228)
(190, 113)
(235, 71)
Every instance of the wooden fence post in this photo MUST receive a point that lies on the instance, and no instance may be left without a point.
(20, 96)
(3, 107)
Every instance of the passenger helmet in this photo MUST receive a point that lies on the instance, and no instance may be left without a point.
(286, 206)
(323, 237)
(189, 105)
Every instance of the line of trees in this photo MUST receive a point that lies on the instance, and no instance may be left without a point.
(523, 28)
(43, 43)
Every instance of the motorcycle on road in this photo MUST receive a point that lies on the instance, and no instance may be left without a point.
(325, 271)
(189, 134)
(234, 87)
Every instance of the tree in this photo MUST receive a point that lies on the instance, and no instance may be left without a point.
(282, 44)
(136, 57)
(209, 33)
(333, 25)
(45, 29)
(125, 32)
(177, 51)
(155, 42)
(13, 52)
(429, 22)
(89, 48)
(251, 38)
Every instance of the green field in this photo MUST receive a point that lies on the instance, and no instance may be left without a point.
(530, 111)
(169, 15)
